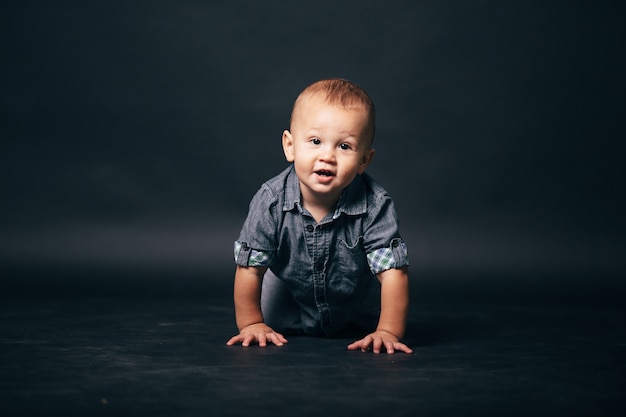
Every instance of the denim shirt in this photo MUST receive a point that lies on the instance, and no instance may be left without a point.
(329, 267)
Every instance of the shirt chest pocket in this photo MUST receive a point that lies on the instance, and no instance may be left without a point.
(352, 259)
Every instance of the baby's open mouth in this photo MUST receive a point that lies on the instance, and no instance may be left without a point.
(324, 173)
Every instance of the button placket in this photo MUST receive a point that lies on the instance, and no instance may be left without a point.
(316, 236)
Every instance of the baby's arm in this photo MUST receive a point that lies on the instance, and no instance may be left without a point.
(394, 308)
(247, 296)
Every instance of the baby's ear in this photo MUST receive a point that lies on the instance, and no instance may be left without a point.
(288, 145)
(366, 160)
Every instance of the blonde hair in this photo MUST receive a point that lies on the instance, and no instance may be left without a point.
(340, 92)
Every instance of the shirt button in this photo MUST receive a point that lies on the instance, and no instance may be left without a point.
(244, 246)
(310, 228)
(395, 243)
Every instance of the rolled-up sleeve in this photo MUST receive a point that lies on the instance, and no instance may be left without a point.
(383, 244)
(245, 256)
(394, 256)
(256, 245)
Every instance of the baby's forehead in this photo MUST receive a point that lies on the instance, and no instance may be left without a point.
(325, 102)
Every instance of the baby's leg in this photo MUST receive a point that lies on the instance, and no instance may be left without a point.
(367, 315)
(280, 310)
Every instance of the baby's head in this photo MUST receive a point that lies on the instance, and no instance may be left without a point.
(330, 138)
(342, 94)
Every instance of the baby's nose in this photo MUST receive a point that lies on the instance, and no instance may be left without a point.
(328, 153)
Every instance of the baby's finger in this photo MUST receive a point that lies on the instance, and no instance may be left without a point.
(282, 338)
(233, 340)
(275, 339)
(354, 345)
(362, 344)
(249, 338)
(366, 342)
(378, 342)
(402, 347)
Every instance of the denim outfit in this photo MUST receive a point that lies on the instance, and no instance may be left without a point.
(321, 277)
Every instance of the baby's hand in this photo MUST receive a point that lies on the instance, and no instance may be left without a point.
(379, 339)
(258, 332)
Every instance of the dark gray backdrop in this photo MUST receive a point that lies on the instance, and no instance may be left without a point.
(134, 134)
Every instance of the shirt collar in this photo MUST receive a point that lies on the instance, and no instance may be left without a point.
(353, 200)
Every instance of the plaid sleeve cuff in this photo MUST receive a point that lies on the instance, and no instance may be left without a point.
(246, 256)
(394, 256)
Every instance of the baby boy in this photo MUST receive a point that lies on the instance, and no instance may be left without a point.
(320, 251)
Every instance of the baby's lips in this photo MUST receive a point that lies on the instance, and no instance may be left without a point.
(324, 172)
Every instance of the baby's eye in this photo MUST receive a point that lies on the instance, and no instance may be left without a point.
(345, 146)
(316, 141)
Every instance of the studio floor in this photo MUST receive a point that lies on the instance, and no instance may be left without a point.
(166, 356)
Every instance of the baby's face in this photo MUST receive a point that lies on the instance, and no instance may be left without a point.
(329, 146)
